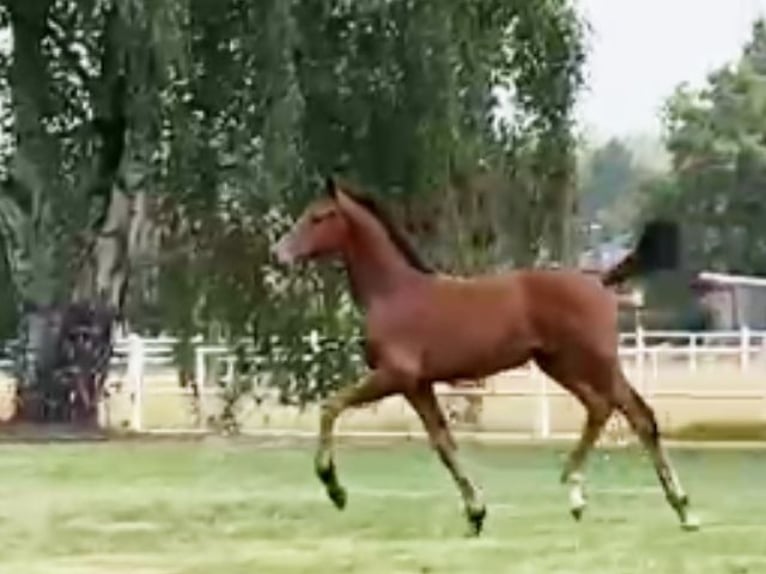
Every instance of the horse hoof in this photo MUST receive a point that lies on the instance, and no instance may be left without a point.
(691, 524)
(338, 496)
(476, 521)
(577, 512)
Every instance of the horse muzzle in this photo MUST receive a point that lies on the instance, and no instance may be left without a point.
(284, 251)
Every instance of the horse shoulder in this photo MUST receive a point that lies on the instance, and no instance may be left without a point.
(389, 345)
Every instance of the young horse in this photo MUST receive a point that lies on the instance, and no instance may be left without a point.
(422, 327)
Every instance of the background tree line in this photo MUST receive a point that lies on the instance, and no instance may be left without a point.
(708, 173)
(713, 176)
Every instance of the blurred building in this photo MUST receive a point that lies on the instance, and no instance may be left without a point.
(733, 301)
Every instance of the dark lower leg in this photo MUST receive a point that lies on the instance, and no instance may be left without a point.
(425, 404)
(324, 460)
(371, 388)
(475, 508)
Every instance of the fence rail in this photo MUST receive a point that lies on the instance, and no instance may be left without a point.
(647, 355)
(743, 343)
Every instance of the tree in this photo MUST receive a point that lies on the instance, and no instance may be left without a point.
(77, 81)
(614, 181)
(158, 147)
(610, 175)
(716, 139)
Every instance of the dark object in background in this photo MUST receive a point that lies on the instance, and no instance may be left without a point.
(658, 249)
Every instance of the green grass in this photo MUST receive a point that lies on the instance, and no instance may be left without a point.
(221, 507)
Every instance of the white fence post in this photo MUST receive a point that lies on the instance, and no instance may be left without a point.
(693, 352)
(649, 382)
(199, 382)
(641, 357)
(136, 359)
(544, 407)
(744, 348)
(230, 374)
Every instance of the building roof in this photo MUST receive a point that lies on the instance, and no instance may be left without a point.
(725, 280)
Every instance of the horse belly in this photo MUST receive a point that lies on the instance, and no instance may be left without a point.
(475, 351)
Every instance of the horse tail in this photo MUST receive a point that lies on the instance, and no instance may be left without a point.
(658, 248)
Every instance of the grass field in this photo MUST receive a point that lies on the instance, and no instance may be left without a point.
(227, 507)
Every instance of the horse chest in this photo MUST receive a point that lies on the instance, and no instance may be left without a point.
(395, 336)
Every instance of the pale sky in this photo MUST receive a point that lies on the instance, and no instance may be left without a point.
(640, 50)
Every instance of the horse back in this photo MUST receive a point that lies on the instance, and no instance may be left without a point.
(451, 327)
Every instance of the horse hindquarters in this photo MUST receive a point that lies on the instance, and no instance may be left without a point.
(589, 382)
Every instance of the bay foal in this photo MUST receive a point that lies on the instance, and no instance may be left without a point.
(422, 327)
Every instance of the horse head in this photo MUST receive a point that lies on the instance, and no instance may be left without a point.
(322, 229)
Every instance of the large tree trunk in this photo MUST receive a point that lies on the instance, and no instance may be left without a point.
(67, 328)
(70, 346)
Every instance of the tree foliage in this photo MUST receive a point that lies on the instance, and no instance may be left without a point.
(614, 181)
(716, 138)
(158, 147)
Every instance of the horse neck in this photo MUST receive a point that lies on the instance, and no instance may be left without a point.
(375, 266)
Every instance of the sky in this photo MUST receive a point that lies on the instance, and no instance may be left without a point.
(640, 50)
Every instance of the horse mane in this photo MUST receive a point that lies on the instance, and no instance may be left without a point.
(374, 208)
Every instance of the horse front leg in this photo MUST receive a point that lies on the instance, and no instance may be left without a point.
(373, 387)
(423, 400)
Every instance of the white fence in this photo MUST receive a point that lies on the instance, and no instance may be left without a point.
(664, 365)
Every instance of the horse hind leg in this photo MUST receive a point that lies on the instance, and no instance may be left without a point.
(598, 408)
(641, 417)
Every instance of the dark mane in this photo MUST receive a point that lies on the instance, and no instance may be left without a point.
(402, 243)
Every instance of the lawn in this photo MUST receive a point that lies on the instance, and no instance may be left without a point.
(223, 507)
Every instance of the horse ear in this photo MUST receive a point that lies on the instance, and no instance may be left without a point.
(330, 186)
